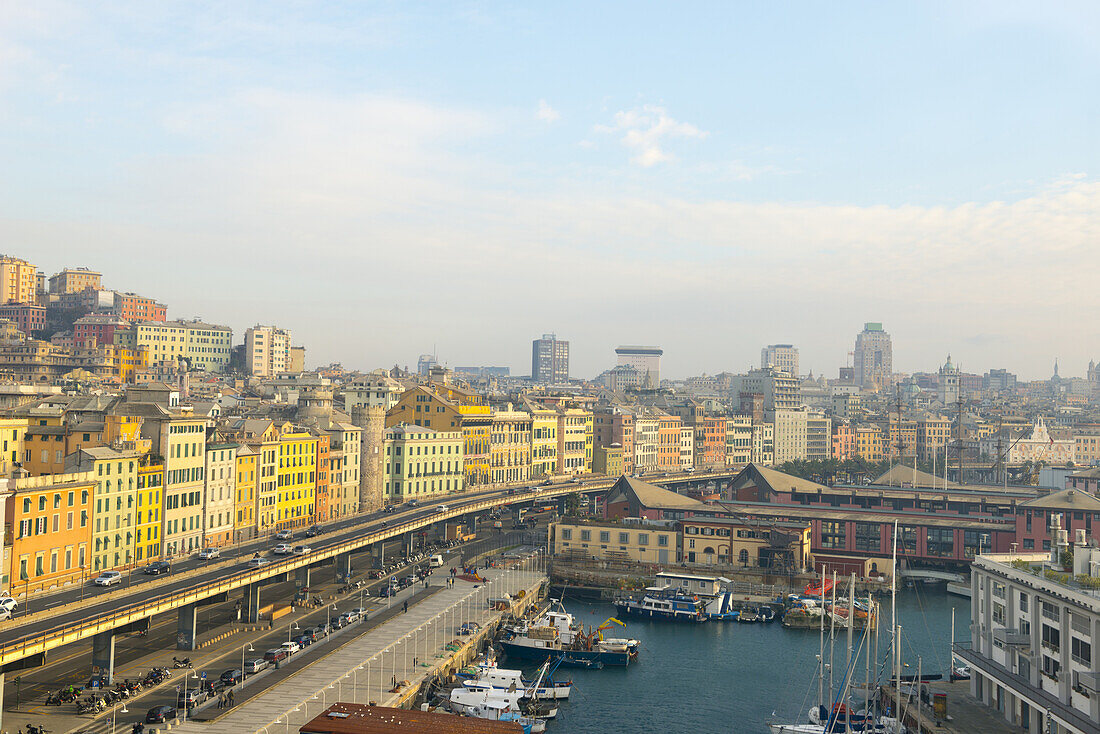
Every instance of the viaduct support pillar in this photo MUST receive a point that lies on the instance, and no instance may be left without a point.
(250, 611)
(343, 567)
(302, 577)
(103, 656)
(187, 627)
(378, 552)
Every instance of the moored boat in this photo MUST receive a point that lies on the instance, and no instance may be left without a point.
(663, 602)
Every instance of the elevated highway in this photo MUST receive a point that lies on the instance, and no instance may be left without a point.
(24, 642)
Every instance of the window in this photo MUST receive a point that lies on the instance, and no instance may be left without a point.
(643, 538)
(868, 537)
(832, 534)
(1080, 651)
(605, 536)
(567, 534)
(1052, 638)
(662, 540)
(586, 535)
(940, 542)
(998, 613)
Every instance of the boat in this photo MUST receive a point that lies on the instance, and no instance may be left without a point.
(767, 614)
(664, 602)
(555, 636)
(543, 687)
(466, 699)
(749, 615)
(498, 710)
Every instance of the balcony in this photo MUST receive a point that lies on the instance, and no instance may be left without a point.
(1011, 638)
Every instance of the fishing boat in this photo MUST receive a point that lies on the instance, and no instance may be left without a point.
(664, 602)
(767, 614)
(555, 636)
(543, 687)
(749, 615)
(465, 699)
(497, 710)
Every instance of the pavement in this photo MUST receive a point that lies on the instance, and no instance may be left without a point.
(406, 648)
(965, 714)
(136, 655)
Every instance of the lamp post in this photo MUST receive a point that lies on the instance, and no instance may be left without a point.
(290, 631)
(114, 716)
(243, 650)
(355, 683)
(83, 580)
(186, 706)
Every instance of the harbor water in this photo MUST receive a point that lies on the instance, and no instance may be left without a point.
(730, 677)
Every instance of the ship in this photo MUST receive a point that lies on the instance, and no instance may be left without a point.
(556, 637)
(664, 602)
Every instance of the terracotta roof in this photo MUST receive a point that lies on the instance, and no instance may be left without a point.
(350, 718)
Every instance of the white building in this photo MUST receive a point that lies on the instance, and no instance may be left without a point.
(949, 383)
(790, 433)
(687, 448)
(219, 490)
(780, 356)
(647, 360)
(1034, 626)
(266, 351)
(780, 390)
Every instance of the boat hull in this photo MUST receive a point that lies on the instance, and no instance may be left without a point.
(575, 658)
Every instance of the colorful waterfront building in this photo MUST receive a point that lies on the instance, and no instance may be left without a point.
(244, 520)
(49, 530)
(421, 463)
(297, 480)
(115, 503)
(150, 512)
(219, 493)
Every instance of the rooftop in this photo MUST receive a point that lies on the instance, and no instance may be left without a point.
(352, 718)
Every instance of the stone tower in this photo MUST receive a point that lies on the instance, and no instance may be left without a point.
(372, 419)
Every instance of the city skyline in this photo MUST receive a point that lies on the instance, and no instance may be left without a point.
(790, 174)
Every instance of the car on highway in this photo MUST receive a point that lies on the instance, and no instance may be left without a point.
(412, 503)
(7, 606)
(284, 535)
(276, 654)
(338, 623)
(304, 640)
(389, 508)
(231, 677)
(351, 616)
(283, 549)
(291, 647)
(108, 578)
(385, 524)
(209, 554)
(255, 665)
(161, 714)
(258, 562)
(313, 531)
(301, 550)
(441, 508)
(156, 568)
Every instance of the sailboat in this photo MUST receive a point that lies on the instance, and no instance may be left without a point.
(839, 717)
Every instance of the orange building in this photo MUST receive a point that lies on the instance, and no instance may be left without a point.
(668, 443)
(844, 441)
(50, 522)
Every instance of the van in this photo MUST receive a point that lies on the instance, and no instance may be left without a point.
(435, 561)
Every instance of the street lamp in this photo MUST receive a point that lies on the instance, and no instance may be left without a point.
(186, 703)
(250, 649)
(114, 716)
(290, 631)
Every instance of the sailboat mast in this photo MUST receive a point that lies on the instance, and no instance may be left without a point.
(851, 614)
(832, 636)
(951, 649)
(821, 643)
(871, 619)
(897, 672)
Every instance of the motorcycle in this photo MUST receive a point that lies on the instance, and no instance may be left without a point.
(184, 663)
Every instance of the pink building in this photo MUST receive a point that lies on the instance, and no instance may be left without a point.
(27, 317)
(98, 326)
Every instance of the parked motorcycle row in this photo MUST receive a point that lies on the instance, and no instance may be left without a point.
(101, 699)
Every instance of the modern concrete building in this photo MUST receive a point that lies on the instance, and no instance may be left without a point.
(266, 351)
(647, 360)
(1035, 621)
(550, 360)
(874, 358)
(780, 390)
(780, 356)
(790, 433)
(819, 437)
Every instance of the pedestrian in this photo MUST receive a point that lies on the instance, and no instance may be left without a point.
(221, 701)
(406, 607)
(394, 681)
(231, 699)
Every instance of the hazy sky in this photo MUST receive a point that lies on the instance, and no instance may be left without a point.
(708, 177)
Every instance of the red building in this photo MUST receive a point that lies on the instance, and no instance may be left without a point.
(1079, 510)
(27, 317)
(98, 326)
(630, 497)
(615, 426)
(133, 308)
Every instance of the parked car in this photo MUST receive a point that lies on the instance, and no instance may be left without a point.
(301, 550)
(255, 665)
(156, 568)
(194, 697)
(276, 655)
(410, 580)
(338, 623)
(284, 535)
(291, 647)
(108, 578)
(375, 573)
(313, 531)
(304, 640)
(161, 714)
(384, 591)
(350, 617)
(232, 677)
(361, 611)
(283, 549)
(209, 554)
(258, 562)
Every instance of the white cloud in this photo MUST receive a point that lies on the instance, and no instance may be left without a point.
(645, 129)
(546, 113)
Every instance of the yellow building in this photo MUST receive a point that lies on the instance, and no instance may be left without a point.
(244, 520)
(205, 346)
(574, 441)
(13, 432)
(297, 480)
(868, 443)
(608, 460)
(544, 441)
(75, 280)
(150, 512)
(616, 541)
(114, 505)
(510, 446)
(18, 281)
(447, 408)
(421, 463)
(48, 522)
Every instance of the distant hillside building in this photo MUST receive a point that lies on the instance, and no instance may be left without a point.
(266, 351)
(780, 356)
(74, 280)
(647, 360)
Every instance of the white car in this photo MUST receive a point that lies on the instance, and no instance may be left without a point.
(441, 508)
(284, 535)
(291, 647)
(8, 604)
(283, 549)
(258, 562)
(207, 554)
(107, 578)
(301, 550)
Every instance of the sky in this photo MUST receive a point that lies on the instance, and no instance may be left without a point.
(388, 179)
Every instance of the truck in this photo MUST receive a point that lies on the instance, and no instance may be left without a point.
(459, 532)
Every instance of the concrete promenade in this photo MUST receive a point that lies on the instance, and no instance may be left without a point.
(408, 646)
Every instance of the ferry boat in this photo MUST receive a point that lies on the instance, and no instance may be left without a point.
(663, 602)
(555, 636)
